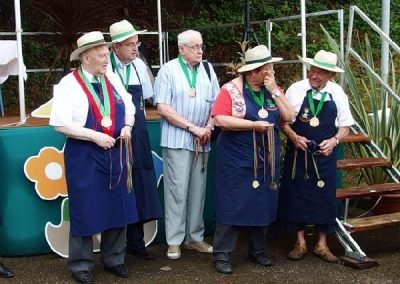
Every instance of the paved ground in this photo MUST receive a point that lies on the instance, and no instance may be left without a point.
(382, 245)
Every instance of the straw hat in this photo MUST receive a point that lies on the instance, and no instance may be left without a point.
(123, 30)
(324, 60)
(88, 41)
(256, 57)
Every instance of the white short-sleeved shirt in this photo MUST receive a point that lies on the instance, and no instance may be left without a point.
(142, 72)
(298, 91)
(70, 104)
(171, 87)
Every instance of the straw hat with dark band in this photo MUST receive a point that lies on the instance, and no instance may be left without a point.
(324, 60)
(257, 57)
(88, 41)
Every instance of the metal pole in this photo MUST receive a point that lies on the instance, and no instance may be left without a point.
(385, 48)
(160, 35)
(303, 36)
(18, 30)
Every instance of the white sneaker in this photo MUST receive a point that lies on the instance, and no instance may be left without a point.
(173, 252)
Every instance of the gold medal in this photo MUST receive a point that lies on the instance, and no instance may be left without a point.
(263, 113)
(192, 92)
(255, 184)
(106, 122)
(320, 183)
(273, 186)
(314, 122)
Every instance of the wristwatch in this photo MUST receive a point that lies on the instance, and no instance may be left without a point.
(337, 140)
(276, 94)
(211, 127)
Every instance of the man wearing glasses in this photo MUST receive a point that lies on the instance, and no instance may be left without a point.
(184, 93)
(132, 72)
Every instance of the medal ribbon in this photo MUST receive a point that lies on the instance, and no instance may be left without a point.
(320, 103)
(258, 100)
(185, 69)
(100, 110)
(116, 69)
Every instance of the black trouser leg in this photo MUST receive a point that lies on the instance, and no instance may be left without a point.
(135, 237)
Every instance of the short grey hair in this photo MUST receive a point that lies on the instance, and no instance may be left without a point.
(186, 36)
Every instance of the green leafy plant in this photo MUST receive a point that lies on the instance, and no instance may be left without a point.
(233, 67)
(378, 116)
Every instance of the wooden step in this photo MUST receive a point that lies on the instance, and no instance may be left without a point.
(367, 190)
(357, 163)
(372, 222)
(355, 138)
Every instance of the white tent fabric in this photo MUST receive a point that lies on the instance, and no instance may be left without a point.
(9, 60)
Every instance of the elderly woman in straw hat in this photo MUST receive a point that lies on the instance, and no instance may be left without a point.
(249, 109)
(308, 188)
(92, 108)
(132, 72)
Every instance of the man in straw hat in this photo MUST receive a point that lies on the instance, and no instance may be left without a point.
(248, 109)
(132, 72)
(309, 181)
(92, 108)
(184, 92)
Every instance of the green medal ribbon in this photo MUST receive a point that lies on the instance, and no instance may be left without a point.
(116, 69)
(258, 100)
(311, 102)
(192, 83)
(104, 107)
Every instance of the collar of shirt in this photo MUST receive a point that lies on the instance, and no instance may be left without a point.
(90, 77)
(120, 64)
(188, 65)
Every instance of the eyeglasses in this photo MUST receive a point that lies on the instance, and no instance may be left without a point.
(197, 47)
(133, 44)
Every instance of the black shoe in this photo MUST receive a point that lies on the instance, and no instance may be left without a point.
(5, 272)
(261, 259)
(120, 270)
(83, 276)
(223, 266)
(144, 254)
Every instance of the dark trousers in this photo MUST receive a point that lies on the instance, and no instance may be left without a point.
(135, 237)
(226, 236)
(112, 249)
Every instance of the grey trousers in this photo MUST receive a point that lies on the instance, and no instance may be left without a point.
(226, 236)
(184, 195)
(112, 249)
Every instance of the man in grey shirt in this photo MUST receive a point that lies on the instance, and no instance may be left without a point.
(184, 93)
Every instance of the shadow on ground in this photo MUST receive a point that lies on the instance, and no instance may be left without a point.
(382, 245)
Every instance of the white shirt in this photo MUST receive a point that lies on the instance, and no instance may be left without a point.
(298, 91)
(141, 68)
(70, 103)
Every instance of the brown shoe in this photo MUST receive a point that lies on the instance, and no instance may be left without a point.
(298, 253)
(325, 254)
(201, 246)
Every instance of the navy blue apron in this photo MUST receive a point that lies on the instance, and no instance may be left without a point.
(301, 200)
(89, 171)
(237, 202)
(143, 174)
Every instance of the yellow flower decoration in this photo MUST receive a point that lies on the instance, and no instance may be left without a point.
(47, 171)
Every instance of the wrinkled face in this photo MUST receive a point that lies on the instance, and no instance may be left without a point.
(319, 77)
(95, 60)
(192, 52)
(260, 73)
(128, 49)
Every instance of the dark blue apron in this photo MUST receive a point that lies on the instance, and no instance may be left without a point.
(237, 202)
(143, 174)
(89, 171)
(301, 200)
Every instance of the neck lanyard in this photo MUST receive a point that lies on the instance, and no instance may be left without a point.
(320, 103)
(185, 69)
(104, 107)
(258, 100)
(116, 69)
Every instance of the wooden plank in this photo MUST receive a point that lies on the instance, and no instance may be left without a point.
(355, 138)
(372, 222)
(368, 190)
(369, 162)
